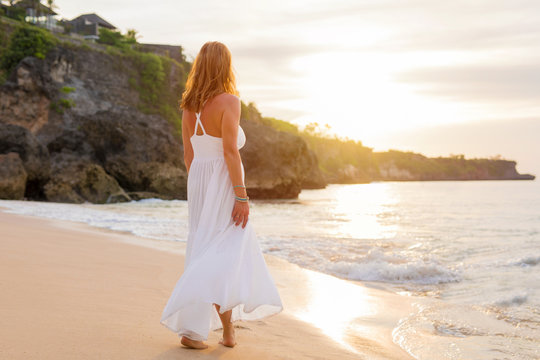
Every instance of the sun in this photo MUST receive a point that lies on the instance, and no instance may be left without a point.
(357, 95)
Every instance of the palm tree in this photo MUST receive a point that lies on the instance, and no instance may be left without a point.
(51, 5)
(132, 35)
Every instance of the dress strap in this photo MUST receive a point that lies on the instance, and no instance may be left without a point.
(198, 122)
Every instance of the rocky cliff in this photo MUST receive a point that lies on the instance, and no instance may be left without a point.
(278, 164)
(91, 123)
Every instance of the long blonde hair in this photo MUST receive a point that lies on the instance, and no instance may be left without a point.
(211, 74)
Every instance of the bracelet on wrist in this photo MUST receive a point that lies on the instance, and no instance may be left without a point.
(238, 198)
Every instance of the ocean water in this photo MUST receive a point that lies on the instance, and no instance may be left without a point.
(473, 247)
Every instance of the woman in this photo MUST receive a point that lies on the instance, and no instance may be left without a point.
(225, 276)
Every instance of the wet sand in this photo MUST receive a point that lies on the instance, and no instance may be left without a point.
(71, 291)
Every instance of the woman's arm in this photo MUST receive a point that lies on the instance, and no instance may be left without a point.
(186, 140)
(229, 133)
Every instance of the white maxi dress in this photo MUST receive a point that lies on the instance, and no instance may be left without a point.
(224, 264)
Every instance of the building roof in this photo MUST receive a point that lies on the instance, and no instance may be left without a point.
(94, 18)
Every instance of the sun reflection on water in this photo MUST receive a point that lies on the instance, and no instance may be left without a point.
(361, 211)
(333, 304)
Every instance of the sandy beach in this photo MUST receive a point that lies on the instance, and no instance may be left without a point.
(72, 291)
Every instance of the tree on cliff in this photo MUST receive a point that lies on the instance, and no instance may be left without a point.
(131, 36)
(117, 39)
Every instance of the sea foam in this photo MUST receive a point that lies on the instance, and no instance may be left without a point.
(528, 261)
(380, 266)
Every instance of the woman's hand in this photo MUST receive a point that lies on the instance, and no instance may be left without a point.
(240, 213)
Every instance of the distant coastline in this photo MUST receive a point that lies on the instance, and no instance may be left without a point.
(345, 161)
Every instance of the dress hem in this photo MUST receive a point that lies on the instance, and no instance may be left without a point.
(281, 308)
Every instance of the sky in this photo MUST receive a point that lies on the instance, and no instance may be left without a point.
(432, 76)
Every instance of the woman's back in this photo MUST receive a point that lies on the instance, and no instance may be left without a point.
(212, 113)
(209, 144)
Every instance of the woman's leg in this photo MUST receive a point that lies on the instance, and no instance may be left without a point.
(228, 328)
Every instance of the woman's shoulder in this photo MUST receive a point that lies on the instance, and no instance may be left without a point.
(228, 99)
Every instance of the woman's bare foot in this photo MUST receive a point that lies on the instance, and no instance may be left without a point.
(193, 344)
(228, 336)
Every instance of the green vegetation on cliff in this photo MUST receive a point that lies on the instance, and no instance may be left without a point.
(117, 39)
(336, 153)
(158, 79)
(27, 41)
(19, 40)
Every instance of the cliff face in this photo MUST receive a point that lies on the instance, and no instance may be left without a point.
(93, 143)
(278, 164)
(84, 125)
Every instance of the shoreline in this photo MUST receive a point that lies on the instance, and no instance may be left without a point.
(100, 293)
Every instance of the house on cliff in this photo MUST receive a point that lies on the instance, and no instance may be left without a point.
(88, 25)
(34, 12)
